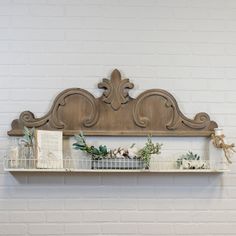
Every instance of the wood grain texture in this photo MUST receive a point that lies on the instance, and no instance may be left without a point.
(115, 113)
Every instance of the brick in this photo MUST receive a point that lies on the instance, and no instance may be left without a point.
(13, 229)
(46, 10)
(4, 21)
(169, 3)
(172, 48)
(156, 229)
(4, 95)
(229, 96)
(33, 2)
(14, 10)
(208, 25)
(82, 229)
(20, 106)
(229, 119)
(84, 192)
(101, 216)
(35, 94)
(4, 70)
(208, 49)
(8, 180)
(216, 216)
(201, 3)
(230, 49)
(36, 34)
(46, 204)
(174, 216)
(195, 13)
(45, 229)
(155, 204)
(215, 108)
(83, 179)
(137, 216)
(123, 179)
(82, 204)
(4, 217)
(13, 58)
(65, 216)
(123, 229)
(193, 180)
(50, 179)
(37, 72)
(45, 59)
(13, 204)
(202, 96)
(208, 73)
(27, 217)
(119, 204)
(134, 192)
(152, 180)
(210, 228)
(4, 34)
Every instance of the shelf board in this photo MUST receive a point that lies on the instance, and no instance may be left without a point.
(116, 171)
(128, 133)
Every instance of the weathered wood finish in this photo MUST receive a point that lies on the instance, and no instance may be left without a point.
(115, 113)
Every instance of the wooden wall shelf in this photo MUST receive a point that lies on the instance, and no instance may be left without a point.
(116, 113)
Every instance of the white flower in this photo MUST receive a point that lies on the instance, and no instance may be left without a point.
(132, 152)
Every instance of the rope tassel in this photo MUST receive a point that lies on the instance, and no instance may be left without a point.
(219, 142)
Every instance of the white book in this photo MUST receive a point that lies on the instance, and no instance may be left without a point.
(49, 149)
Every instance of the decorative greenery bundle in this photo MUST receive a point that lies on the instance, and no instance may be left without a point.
(102, 151)
(96, 153)
(150, 148)
(189, 156)
(28, 146)
(28, 137)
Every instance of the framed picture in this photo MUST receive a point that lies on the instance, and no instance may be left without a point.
(49, 149)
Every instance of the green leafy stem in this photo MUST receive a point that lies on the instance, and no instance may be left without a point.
(96, 153)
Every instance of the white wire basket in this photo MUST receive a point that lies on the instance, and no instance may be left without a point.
(75, 163)
(126, 164)
(24, 159)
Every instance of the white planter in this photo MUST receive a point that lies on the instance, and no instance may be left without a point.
(194, 164)
(120, 164)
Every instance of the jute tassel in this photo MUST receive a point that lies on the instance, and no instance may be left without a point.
(219, 142)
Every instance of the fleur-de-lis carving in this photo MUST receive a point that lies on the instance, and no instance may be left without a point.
(116, 90)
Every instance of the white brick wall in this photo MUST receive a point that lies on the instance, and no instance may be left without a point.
(187, 47)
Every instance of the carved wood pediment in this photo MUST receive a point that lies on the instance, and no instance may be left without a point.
(115, 113)
(116, 92)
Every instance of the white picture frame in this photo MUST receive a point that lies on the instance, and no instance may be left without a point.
(49, 153)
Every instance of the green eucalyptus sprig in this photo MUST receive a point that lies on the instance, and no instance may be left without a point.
(96, 153)
(149, 149)
(28, 137)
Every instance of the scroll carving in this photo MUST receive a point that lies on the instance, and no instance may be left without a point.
(61, 101)
(57, 118)
(176, 120)
(154, 111)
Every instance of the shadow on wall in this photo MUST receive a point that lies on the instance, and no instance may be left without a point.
(124, 185)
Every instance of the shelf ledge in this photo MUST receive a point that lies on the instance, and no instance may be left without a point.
(117, 171)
